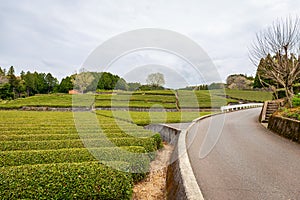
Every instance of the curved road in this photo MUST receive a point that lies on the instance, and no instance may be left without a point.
(248, 161)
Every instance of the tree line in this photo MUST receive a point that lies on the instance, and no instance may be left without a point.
(27, 84)
(31, 83)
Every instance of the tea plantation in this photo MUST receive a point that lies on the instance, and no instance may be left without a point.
(90, 155)
(43, 157)
(142, 99)
(145, 118)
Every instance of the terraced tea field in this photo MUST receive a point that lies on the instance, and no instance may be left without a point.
(145, 118)
(119, 99)
(141, 99)
(43, 156)
(84, 155)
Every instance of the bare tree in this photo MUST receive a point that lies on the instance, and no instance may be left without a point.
(279, 46)
(83, 80)
(155, 79)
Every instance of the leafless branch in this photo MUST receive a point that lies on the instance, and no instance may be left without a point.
(279, 45)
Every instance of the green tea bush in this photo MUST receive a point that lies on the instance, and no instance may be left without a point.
(16, 158)
(88, 180)
(39, 137)
(150, 144)
(40, 153)
(158, 141)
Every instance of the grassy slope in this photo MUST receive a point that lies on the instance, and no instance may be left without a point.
(249, 95)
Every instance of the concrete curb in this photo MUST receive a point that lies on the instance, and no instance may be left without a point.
(190, 184)
(181, 170)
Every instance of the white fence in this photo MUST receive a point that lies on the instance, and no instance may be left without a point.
(240, 106)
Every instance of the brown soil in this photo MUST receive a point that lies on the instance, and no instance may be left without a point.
(154, 186)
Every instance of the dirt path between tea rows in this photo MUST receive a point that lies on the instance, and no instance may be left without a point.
(154, 186)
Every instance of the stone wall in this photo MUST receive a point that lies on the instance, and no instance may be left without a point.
(288, 128)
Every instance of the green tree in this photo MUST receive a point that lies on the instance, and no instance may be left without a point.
(40, 83)
(214, 86)
(5, 89)
(107, 81)
(121, 85)
(5, 92)
(29, 83)
(35, 83)
(133, 86)
(13, 81)
(259, 80)
(51, 82)
(66, 84)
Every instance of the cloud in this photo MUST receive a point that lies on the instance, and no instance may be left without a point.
(57, 36)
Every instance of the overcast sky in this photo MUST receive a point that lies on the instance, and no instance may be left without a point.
(57, 36)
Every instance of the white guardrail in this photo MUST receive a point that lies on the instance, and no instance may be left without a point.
(240, 106)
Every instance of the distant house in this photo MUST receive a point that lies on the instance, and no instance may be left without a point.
(73, 92)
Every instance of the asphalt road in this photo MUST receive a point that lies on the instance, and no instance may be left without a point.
(247, 162)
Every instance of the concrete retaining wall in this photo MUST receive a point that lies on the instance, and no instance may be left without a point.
(45, 108)
(181, 181)
(137, 109)
(174, 182)
(167, 133)
(288, 128)
(28, 108)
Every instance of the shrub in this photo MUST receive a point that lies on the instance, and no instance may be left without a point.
(138, 161)
(293, 113)
(150, 144)
(296, 101)
(15, 158)
(158, 141)
(65, 181)
(43, 157)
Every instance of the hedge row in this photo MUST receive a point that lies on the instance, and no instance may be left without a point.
(65, 181)
(65, 130)
(148, 143)
(16, 158)
(62, 131)
(39, 137)
(40, 153)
